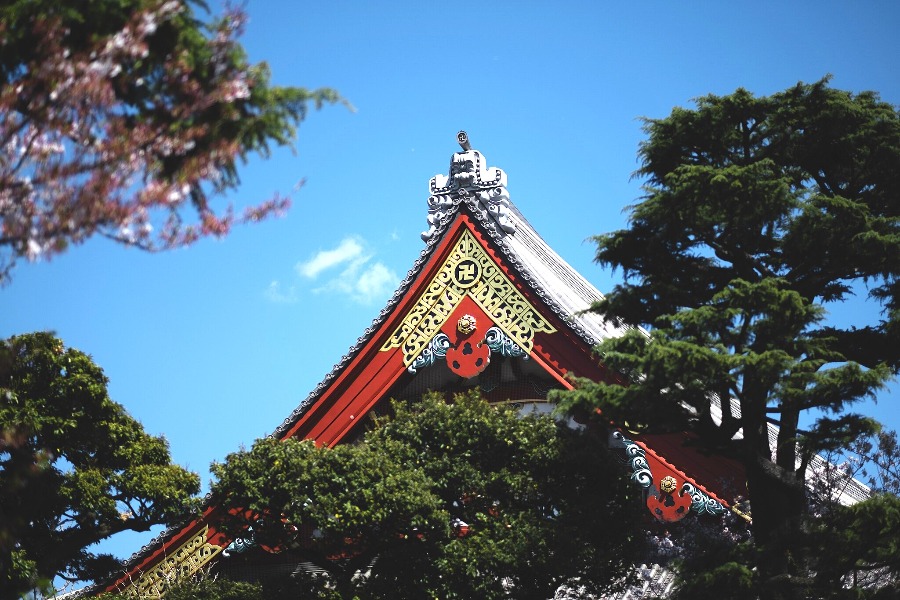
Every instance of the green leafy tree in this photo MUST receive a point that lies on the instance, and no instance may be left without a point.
(760, 214)
(856, 545)
(857, 549)
(125, 119)
(530, 491)
(340, 508)
(449, 500)
(75, 468)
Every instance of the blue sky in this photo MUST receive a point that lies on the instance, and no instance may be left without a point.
(213, 346)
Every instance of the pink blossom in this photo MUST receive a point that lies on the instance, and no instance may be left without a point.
(76, 163)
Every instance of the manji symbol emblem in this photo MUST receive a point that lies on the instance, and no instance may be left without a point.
(468, 271)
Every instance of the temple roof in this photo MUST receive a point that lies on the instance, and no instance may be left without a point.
(482, 190)
(473, 193)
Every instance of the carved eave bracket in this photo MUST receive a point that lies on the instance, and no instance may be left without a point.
(471, 181)
(668, 497)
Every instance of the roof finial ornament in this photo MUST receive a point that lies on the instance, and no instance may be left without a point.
(469, 181)
(463, 138)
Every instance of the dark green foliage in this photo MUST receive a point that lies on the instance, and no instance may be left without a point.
(341, 507)
(75, 468)
(544, 504)
(461, 500)
(733, 580)
(844, 553)
(760, 214)
(859, 546)
(212, 589)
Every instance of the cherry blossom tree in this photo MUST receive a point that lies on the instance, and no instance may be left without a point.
(126, 119)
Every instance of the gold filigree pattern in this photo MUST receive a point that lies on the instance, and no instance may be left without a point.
(189, 558)
(468, 271)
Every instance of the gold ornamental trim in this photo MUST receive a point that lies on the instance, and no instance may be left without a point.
(468, 271)
(184, 562)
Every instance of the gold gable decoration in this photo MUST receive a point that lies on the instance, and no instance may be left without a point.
(468, 271)
(186, 561)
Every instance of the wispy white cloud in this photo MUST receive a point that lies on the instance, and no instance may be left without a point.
(358, 276)
(375, 283)
(348, 250)
(275, 293)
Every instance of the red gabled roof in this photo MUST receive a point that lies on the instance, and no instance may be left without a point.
(367, 375)
(528, 282)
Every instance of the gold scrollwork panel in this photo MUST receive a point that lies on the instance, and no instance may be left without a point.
(468, 271)
(185, 561)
